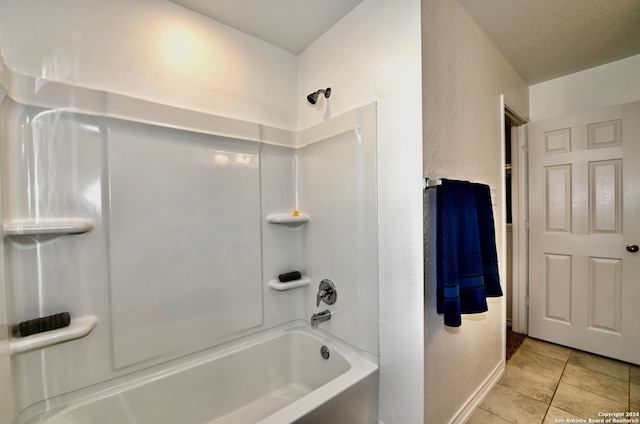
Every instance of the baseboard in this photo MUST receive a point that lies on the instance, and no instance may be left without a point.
(509, 322)
(479, 395)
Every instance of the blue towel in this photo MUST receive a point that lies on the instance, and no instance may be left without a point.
(467, 266)
(487, 233)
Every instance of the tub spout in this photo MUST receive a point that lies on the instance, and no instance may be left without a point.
(320, 317)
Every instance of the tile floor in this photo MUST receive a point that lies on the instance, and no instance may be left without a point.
(547, 384)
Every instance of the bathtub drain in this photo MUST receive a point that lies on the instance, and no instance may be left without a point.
(324, 351)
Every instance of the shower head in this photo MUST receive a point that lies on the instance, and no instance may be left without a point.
(313, 97)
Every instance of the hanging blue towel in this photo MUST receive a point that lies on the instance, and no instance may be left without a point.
(465, 250)
(487, 234)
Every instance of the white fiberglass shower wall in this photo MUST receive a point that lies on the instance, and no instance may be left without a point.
(161, 231)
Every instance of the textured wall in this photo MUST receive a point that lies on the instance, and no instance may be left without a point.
(463, 78)
(607, 85)
(373, 54)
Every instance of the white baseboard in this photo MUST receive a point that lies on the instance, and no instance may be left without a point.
(479, 395)
(509, 322)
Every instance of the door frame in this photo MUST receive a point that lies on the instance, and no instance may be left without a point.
(519, 213)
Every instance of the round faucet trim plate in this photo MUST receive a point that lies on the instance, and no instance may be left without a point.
(327, 292)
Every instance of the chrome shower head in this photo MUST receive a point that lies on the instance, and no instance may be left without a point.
(313, 97)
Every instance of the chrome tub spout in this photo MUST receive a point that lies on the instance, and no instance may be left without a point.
(320, 317)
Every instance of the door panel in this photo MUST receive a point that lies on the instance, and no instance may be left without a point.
(584, 207)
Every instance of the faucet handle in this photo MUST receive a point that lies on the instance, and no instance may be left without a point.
(326, 292)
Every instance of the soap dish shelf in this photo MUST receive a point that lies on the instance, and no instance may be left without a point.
(277, 285)
(287, 218)
(47, 227)
(78, 329)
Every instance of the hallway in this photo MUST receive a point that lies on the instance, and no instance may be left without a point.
(546, 384)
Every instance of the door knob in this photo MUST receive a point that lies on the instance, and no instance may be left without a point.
(633, 248)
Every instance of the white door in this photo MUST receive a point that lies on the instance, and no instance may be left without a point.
(584, 211)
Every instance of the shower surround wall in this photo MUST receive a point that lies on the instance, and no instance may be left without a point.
(178, 253)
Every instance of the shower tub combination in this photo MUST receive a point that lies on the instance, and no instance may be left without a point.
(160, 231)
(276, 377)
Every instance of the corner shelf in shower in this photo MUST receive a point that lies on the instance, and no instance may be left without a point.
(287, 218)
(78, 329)
(47, 227)
(277, 285)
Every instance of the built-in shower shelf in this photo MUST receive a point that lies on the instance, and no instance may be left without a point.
(287, 218)
(277, 285)
(47, 227)
(78, 329)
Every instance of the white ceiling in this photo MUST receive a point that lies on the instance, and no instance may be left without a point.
(542, 39)
(289, 24)
(545, 39)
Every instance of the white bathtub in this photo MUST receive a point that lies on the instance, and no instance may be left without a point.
(274, 377)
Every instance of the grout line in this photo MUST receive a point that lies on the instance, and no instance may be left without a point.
(502, 418)
(609, 395)
(557, 385)
(549, 343)
(601, 373)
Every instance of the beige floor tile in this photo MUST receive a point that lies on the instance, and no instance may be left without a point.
(514, 406)
(595, 382)
(529, 383)
(537, 363)
(635, 396)
(634, 374)
(583, 403)
(600, 364)
(558, 414)
(547, 349)
(481, 416)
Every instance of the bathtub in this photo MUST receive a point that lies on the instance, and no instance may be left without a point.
(275, 377)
